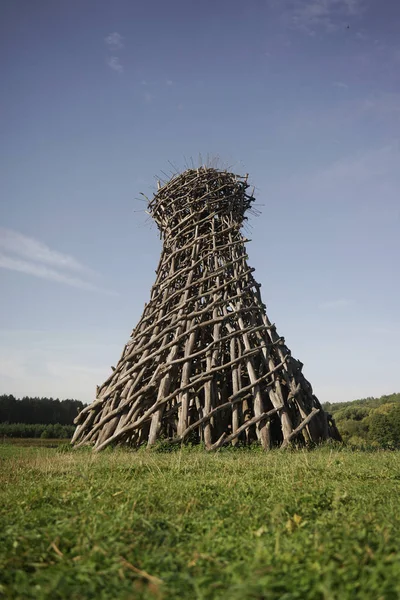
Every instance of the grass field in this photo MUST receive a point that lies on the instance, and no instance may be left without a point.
(322, 524)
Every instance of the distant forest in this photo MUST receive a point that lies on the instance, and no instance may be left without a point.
(33, 411)
(369, 421)
(38, 417)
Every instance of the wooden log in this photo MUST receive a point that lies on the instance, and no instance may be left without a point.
(300, 428)
(255, 420)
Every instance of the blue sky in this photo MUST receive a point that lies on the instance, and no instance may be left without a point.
(99, 96)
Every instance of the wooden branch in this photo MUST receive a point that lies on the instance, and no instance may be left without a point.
(300, 428)
(246, 425)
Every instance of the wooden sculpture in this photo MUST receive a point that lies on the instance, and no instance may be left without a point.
(204, 363)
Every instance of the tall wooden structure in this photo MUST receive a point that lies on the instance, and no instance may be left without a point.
(204, 364)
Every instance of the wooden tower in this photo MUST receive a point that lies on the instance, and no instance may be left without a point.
(204, 363)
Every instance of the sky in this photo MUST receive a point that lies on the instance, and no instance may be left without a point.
(101, 99)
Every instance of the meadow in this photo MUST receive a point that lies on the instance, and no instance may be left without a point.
(320, 524)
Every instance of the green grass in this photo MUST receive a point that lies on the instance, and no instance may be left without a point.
(322, 524)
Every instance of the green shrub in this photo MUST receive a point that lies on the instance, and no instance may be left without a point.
(384, 429)
(25, 430)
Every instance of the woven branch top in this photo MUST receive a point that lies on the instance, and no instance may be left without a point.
(197, 196)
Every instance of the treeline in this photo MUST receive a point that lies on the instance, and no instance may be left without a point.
(368, 421)
(25, 430)
(365, 422)
(38, 417)
(38, 411)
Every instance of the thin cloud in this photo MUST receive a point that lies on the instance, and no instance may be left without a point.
(326, 15)
(169, 82)
(340, 85)
(16, 243)
(10, 367)
(24, 254)
(44, 272)
(378, 163)
(114, 40)
(335, 304)
(382, 104)
(383, 330)
(148, 98)
(114, 64)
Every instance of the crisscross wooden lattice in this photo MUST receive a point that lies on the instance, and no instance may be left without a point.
(204, 364)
